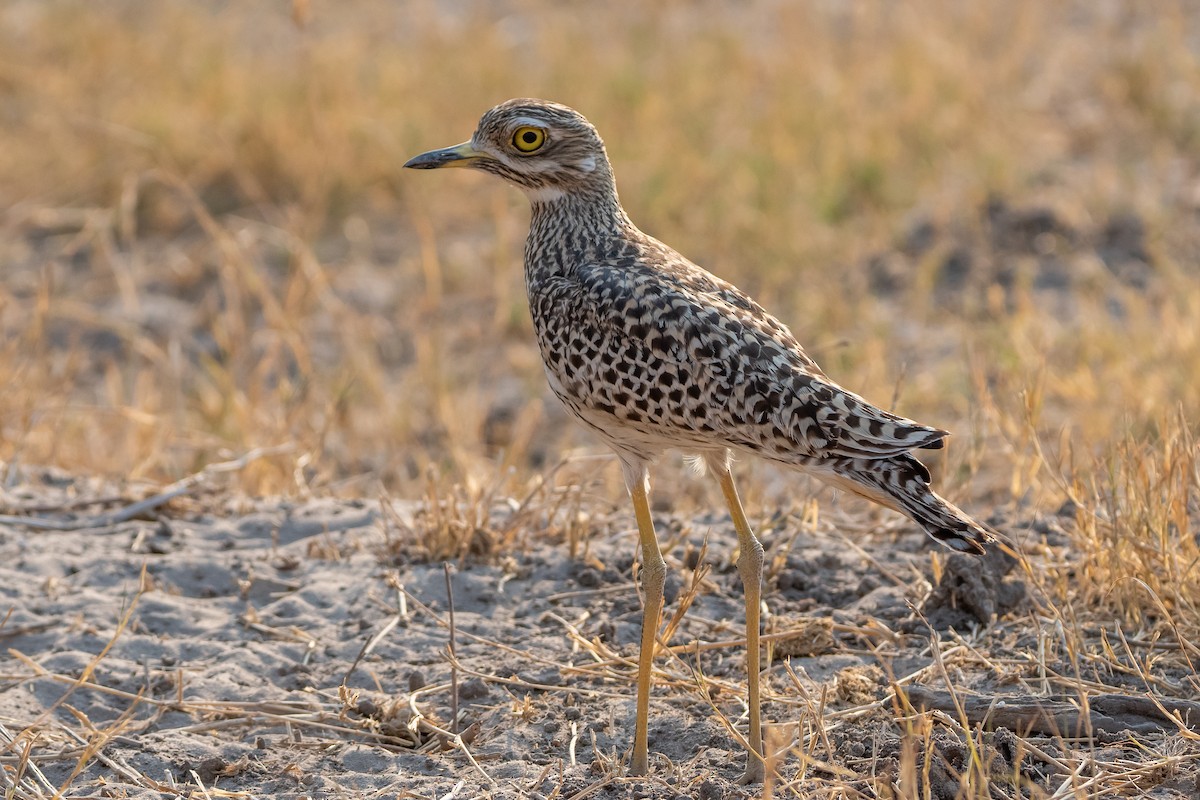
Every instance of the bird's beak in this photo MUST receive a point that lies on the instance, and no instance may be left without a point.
(461, 155)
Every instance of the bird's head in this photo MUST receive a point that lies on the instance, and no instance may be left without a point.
(545, 149)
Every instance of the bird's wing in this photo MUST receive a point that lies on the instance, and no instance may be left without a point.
(742, 373)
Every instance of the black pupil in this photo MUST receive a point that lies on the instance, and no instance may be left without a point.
(529, 137)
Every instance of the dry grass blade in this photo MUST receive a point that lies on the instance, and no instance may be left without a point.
(450, 650)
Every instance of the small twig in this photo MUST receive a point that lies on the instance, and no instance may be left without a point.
(370, 645)
(67, 505)
(1108, 713)
(624, 588)
(128, 512)
(288, 634)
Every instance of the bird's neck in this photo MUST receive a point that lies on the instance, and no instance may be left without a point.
(593, 206)
(569, 227)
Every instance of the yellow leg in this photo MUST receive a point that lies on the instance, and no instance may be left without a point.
(750, 567)
(654, 571)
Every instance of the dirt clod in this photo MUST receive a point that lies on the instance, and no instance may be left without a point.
(974, 590)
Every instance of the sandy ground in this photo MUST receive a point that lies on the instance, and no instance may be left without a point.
(217, 643)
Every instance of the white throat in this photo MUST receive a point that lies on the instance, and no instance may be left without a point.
(543, 194)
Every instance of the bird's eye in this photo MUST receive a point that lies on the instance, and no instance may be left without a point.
(527, 139)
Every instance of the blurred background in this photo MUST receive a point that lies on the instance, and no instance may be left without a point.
(983, 215)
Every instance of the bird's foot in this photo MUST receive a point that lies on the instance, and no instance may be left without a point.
(754, 770)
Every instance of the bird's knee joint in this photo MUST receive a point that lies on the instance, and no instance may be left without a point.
(750, 560)
(654, 572)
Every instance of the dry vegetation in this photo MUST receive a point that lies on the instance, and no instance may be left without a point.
(984, 211)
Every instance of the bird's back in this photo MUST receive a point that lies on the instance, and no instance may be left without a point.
(644, 345)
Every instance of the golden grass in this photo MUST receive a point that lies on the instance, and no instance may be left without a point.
(208, 247)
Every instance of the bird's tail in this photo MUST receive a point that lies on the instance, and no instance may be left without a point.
(902, 484)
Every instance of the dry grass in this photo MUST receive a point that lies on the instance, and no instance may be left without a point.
(208, 247)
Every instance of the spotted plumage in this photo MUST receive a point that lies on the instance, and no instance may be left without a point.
(652, 352)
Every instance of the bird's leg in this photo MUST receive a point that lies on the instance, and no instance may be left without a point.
(654, 571)
(750, 567)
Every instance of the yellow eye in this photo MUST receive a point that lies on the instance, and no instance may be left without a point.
(527, 139)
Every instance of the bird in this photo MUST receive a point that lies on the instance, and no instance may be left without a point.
(654, 353)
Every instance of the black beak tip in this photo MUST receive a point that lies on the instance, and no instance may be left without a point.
(421, 162)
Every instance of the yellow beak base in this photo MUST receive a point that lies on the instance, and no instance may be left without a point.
(461, 155)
